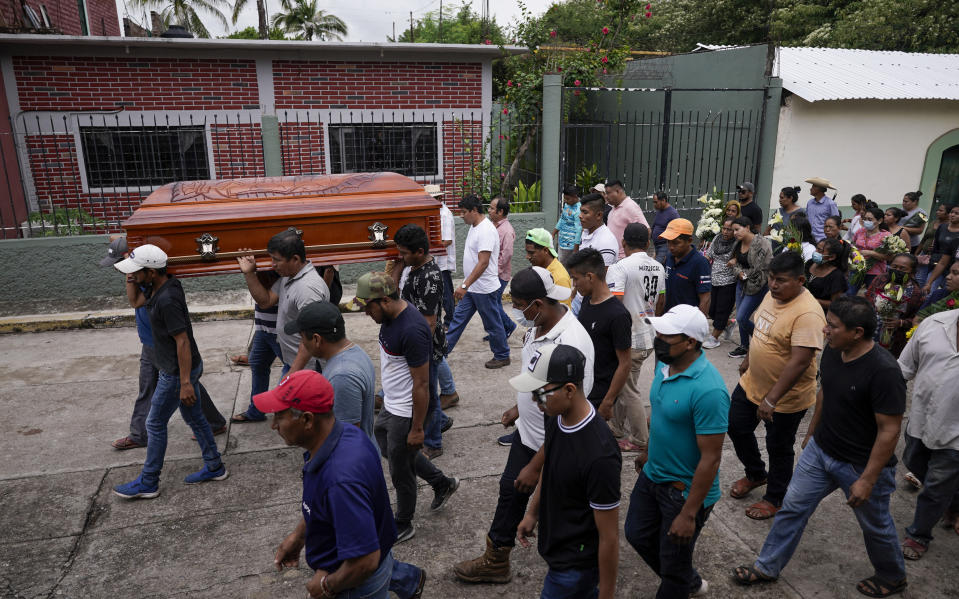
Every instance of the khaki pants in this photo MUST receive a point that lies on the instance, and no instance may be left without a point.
(629, 413)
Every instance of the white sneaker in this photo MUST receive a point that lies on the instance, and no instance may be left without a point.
(703, 589)
(710, 342)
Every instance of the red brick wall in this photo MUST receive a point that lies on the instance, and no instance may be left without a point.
(462, 151)
(302, 148)
(237, 151)
(56, 178)
(65, 16)
(104, 83)
(378, 85)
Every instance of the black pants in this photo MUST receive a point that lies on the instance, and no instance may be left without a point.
(511, 505)
(780, 443)
(722, 300)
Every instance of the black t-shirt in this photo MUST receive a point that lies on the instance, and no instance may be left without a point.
(853, 393)
(581, 473)
(753, 212)
(823, 288)
(424, 289)
(946, 243)
(168, 317)
(610, 326)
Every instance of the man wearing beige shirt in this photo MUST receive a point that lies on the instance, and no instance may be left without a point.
(778, 383)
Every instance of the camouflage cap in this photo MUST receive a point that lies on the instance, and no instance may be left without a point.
(371, 286)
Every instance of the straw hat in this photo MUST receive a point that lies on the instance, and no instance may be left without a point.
(433, 190)
(820, 182)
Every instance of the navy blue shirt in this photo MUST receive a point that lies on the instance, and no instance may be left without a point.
(345, 503)
(144, 330)
(659, 223)
(687, 279)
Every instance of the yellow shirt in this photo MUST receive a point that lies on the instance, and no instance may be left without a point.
(561, 277)
(779, 328)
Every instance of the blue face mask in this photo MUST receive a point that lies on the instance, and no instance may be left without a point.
(817, 257)
(869, 224)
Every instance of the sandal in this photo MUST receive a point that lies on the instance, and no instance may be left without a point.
(743, 487)
(761, 510)
(243, 419)
(877, 587)
(912, 549)
(748, 575)
(126, 443)
(913, 480)
(240, 360)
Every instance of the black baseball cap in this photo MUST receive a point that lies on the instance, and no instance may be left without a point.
(551, 364)
(321, 317)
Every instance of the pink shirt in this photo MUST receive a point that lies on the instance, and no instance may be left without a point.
(627, 212)
(871, 242)
(506, 238)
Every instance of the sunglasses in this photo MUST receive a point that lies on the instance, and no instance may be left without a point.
(539, 396)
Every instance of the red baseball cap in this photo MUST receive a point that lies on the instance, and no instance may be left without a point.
(305, 390)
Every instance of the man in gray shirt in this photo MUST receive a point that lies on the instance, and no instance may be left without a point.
(298, 286)
(348, 368)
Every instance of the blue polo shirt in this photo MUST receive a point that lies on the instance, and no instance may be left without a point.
(144, 330)
(693, 402)
(345, 503)
(687, 279)
(662, 220)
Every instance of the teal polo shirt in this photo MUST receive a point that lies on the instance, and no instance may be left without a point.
(693, 402)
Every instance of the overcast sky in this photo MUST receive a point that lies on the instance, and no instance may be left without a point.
(372, 20)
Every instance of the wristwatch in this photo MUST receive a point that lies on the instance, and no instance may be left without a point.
(462, 285)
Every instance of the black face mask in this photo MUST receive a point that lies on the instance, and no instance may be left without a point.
(661, 348)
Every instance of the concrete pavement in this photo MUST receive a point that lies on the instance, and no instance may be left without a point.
(65, 395)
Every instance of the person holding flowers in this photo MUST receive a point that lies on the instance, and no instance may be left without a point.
(867, 240)
(896, 298)
(750, 263)
(710, 219)
(788, 206)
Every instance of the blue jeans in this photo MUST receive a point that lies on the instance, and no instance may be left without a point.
(447, 386)
(816, 476)
(652, 509)
(166, 400)
(662, 251)
(485, 304)
(508, 325)
(391, 575)
(571, 584)
(263, 351)
(938, 469)
(447, 296)
(435, 418)
(747, 305)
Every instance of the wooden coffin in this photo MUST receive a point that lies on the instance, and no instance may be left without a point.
(201, 225)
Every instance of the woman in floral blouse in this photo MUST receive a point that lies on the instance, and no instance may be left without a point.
(896, 297)
(866, 240)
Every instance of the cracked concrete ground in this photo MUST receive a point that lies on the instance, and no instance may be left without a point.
(66, 395)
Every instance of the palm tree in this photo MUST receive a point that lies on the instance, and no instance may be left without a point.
(187, 13)
(260, 13)
(305, 21)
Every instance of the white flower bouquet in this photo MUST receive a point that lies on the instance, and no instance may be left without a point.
(710, 220)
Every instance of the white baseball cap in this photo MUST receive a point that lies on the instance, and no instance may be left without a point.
(601, 188)
(681, 320)
(145, 256)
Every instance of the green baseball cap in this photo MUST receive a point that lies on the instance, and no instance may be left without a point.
(542, 238)
(371, 286)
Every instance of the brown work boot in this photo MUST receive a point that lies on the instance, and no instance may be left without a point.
(448, 401)
(492, 566)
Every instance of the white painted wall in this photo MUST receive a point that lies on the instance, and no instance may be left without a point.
(873, 147)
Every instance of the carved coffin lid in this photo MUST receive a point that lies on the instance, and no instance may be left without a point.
(202, 225)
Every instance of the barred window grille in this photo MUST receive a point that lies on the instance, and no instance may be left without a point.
(143, 156)
(408, 149)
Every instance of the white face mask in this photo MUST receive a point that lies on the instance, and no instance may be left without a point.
(520, 317)
(869, 224)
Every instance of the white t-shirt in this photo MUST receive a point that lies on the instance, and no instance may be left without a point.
(447, 260)
(639, 280)
(482, 238)
(568, 331)
(603, 241)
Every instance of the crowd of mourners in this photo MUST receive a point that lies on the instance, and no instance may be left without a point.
(830, 314)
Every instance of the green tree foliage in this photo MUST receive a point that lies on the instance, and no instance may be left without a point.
(187, 13)
(262, 31)
(305, 21)
(459, 26)
(251, 33)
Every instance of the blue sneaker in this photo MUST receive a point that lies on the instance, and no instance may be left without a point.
(136, 489)
(204, 475)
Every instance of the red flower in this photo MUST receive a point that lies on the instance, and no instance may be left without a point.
(501, 137)
(509, 83)
(576, 93)
(605, 30)
(576, 83)
(488, 42)
(506, 111)
(559, 69)
(605, 71)
(951, 303)
(552, 33)
(649, 6)
(604, 60)
(648, 14)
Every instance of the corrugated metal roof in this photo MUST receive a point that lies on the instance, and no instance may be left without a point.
(816, 74)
